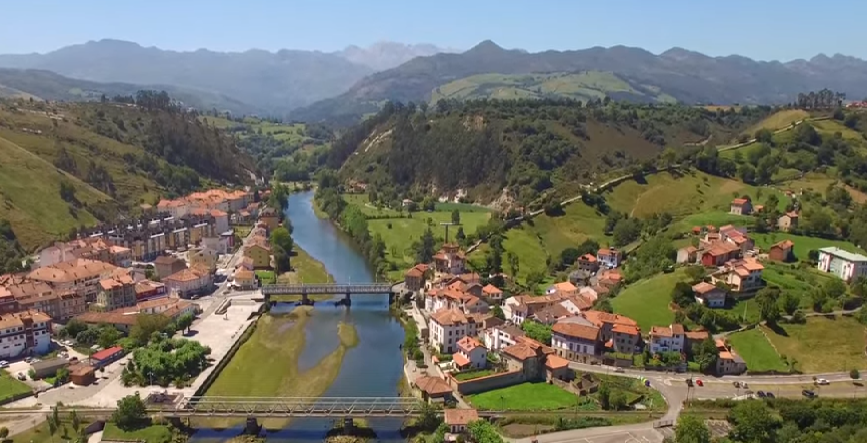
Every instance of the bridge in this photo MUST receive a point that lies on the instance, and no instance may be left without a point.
(304, 290)
(291, 407)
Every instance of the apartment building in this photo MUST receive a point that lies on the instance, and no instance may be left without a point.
(80, 275)
(189, 282)
(447, 327)
(92, 248)
(147, 238)
(116, 292)
(24, 333)
(18, 293)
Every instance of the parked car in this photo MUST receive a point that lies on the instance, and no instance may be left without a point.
(4, 364)
(21, 376)
(744, 385)
(769, 394)
(618, 370)
(699, 382)
(822, 381)
(761, 394)
(736, 384)
(808, 393)
(73, 358)
(28, 359)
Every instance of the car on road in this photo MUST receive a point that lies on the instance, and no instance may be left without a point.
(769, 394)
(28, 359)
(4, 364)
(73, 359)
(761, 394)
(822, 381)
(699, 382)
(808, 393)
(744, 385)
(736, 384)
(618, 370)
(21, 376)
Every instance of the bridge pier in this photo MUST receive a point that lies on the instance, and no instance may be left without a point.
(252, 427)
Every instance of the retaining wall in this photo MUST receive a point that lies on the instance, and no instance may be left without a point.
(226, 359)
(488, 383)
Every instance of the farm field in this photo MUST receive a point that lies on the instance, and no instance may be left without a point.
(757, 351)
(647, 301)
(822, 344)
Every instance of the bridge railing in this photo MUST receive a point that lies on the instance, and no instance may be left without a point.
(301, 405)
(323, 288)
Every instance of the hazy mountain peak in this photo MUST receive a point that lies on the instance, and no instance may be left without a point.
(486, 46)
(385, 54)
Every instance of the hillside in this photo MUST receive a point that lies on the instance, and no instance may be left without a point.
(583, 86)
(527, 146)
(689, 77)
(46, 85)
(109, 157)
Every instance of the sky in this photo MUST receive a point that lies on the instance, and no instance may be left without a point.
(759, 29)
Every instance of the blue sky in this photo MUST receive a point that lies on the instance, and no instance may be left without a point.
(761, 29)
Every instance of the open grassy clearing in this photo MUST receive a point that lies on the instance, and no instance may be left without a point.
(305, 269)
(40, 433)
(293, 133)
(803, 244)
(11, 386)
(647, 301)
(778, 120)
(525, 397)
(822, 344)
(469, 375)
(150, 434)
(757, 351)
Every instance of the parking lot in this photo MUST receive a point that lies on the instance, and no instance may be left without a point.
(636, 434)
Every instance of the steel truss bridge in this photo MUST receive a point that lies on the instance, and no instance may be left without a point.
(290, 407)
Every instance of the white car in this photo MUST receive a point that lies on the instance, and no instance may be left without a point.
(4, 364)
(822, 381)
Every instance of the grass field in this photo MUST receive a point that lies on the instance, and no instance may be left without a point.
(270, 357)
(150, 434)
(11, 386)
(34, 207)
(778, 120)
(469, 375)
(305, 269)
(803, 244)
(647, 301)
(40, 434)
(822, 344)
(293, 133)
(525, 397)
(266, 277)
(757, 351)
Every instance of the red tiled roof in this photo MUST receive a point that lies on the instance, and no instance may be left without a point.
(106, 353)
(520, 351)
(492, 290)
(625, 329)
(554, 361)
(702, 288)
(467, 344)
(460, 360)
(739, 201)
(785, 244)
(576, 330)
(433, 385)
(460, 417)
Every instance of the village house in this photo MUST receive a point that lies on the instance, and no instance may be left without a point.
(458, 419)
(433, 389)
(166, 265)
(415, 277)
(499, 337)
(551, 314)
(718, 253)
(270, 217)
(149, 237)
(447, 326)
(592, 293)
(492, 293)
(587, 262)
(618, 333)
(741, 206)
(260, 254)
(79, 275)
(189, 282)
(24, 333)
(18, 293)
(91, 248)
(522, 307)
(728, 362)
(782, 251)
(693, 338)
(575, 341)
(454, 297)
(788, 221)
(563, 288)
(471, 354)
(203, 258)
(535, 361)
(450, 259)
(609, 257)
(125, 318)
(740, 275)
(667, 339)
(116, 292)
(709, 295)
(245, 279)
(844, 264)
(688, 255)
(737, 237)
(147, 289)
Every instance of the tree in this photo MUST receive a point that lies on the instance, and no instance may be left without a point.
(108, 336)
(769, 305)
(497, 311)
(67, 191)
(753, 422)
(618, 401)
(185, 321)
(604, 395)
(854, 374)
(705, 354)
(130, 412)
(691, 429)
(52, 426)
(482, 431)
(145, 326)
(695, 273)
(456, 217)
(682, 294)
(424, 249)
(568, 256)
(428, 419)
(61, 376)
(76, 421)
(537, 331)
(4, 432)
(765, 135)
(281, 237)
(514, 263)
(789, 303)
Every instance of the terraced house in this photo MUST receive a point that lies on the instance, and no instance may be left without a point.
(24, 333)
(18, 293)
(80, 275)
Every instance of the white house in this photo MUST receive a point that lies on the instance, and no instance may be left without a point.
(667, 339)
(502, 336)
(24, 333)
(471, 354)
(709, 295)
(610, 257)
(843, 264)
(447, 326)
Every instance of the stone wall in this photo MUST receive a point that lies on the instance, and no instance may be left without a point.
(488, 383)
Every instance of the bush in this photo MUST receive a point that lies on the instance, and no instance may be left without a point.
(854, 374)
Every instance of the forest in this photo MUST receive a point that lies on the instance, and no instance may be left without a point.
(529, 146)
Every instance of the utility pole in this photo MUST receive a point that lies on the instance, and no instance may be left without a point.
(447, 224)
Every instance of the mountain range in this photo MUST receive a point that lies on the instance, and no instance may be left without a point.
(255, 80)
(685, 75)
(345, 85)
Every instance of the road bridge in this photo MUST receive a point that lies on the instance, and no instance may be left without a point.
(304, 290)
(291, 407)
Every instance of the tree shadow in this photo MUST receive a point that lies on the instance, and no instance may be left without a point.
(777, 329)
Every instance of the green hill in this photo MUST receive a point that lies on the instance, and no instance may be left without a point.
(114, 156)
(590, 85)
(527, 147)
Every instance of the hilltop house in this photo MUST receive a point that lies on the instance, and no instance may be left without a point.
(709, 295)
(610, 257)
(741, 206)
(782, 251)
(843, 264)
(587, 262)
(788, 221)
(740, 275)
(667, 339)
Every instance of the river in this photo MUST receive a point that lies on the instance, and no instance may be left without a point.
(371, 369)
